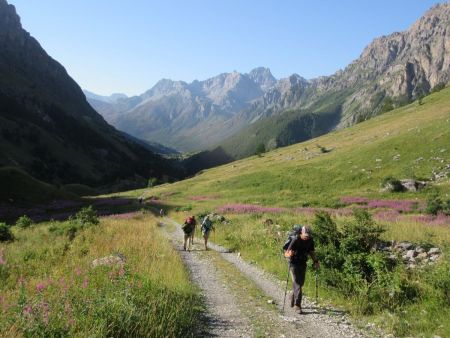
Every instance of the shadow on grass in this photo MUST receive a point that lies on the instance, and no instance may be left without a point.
(61, 210)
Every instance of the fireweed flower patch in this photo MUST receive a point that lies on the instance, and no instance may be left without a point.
(249, 209)
(64, 295)
(204, 198)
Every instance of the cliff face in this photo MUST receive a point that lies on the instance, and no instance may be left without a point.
(401, 66)
(46, 125)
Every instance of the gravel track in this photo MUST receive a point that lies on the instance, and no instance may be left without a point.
(224, 316)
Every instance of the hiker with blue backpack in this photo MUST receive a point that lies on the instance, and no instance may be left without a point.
(206, 227)
(299, 245)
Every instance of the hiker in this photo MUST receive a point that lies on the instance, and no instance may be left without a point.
(297, 252)
(193, 231)
(161, 213)
(188, 229)
(206, 228)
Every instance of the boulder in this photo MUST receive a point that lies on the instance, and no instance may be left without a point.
(114, 259)
(412, 185)
(410, 254)
(434, 251)
(405, 246)
(420, 250)
(422, 256)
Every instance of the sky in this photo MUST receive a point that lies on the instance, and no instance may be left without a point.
(118, 46)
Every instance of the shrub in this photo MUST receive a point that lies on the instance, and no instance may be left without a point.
(87, 217)
(84, 218)
(436, 205)
(152, 181)
(260, 149)
(24, 222)
(5, 233)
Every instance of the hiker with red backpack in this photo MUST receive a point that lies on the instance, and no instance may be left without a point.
(299, 245)
(189, 230)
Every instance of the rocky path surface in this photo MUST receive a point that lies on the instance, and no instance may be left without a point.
(229, 310)
(223, 318)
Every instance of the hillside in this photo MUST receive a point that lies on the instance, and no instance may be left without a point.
(356, 161)
(47, 127)
(341, 173)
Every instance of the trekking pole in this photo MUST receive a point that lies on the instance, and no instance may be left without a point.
(317, 287)
(287, 282)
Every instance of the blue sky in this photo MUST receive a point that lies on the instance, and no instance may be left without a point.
(112, 46)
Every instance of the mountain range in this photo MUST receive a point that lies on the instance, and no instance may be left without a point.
(239, 111)
(49, 130)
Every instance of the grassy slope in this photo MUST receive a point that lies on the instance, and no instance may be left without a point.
(302, 173)
(18, 186)
(62, 295)
(360, 157)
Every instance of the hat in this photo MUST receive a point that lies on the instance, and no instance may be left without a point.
(306, 231)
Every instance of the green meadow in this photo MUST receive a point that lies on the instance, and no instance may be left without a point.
(49, 287)
(412, 142)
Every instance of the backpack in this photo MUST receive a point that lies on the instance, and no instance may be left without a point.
(206, 225)
(187, 227)
(293, 234)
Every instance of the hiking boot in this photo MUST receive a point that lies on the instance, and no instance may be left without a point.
(292, 300)
(298, 309)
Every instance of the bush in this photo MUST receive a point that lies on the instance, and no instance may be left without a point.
(5, 233)
(24, 222)
(435, 205)
(260, 149)
(87, 217)
(152, 181)
(84, 218)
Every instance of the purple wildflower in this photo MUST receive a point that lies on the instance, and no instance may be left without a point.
(45, 313)
(40, 287)
(387, 216)
(85, 283)
(27, 310)
(354, 200)
(248, 209)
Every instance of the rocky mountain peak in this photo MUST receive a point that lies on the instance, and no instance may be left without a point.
(263, 77)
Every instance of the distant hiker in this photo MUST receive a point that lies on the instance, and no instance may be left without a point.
(206, 228)
(140, 200)
(188, 229)
(161, 213)
(300, 246)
